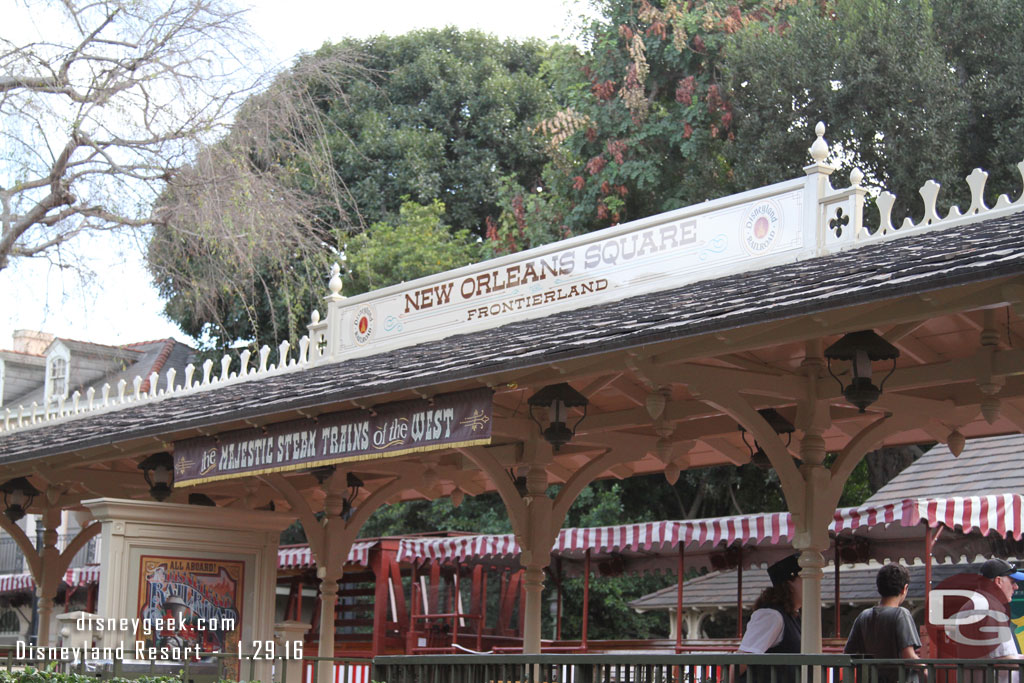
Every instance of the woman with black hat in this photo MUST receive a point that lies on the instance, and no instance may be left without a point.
(774, 626)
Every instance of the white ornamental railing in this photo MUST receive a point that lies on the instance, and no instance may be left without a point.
(231, 371)
(789, 221)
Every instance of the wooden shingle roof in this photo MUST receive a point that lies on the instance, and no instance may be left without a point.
(856, 586)
(988, 465)
(917, 264)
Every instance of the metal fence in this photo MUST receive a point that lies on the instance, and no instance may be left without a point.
(613, 668)
(12, 560)
(211, 667)
(558, 668)
(688, 668)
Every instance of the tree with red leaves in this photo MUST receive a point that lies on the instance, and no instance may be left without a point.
(652, 113)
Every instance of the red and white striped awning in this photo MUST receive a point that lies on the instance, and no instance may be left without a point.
(82, 576)
(745, 529)
(641, 536)
(456, 547)
(867, 516)
(300, 556)
(1001, 514)
(17, 582)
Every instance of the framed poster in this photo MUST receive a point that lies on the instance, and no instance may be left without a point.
(189, 605)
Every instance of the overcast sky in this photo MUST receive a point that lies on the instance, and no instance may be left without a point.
(120, 305)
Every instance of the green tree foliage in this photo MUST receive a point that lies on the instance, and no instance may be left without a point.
(484, 514)
(444, 116)
(419, 243)
(981, 41)
(341, 141)
(873, 70)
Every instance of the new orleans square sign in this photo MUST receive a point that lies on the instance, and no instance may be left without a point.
(734, 234)
(446, 421)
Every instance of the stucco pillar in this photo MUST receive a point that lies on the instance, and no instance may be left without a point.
(155, 552)
(71, 635)
(46, 590)
(293, 632)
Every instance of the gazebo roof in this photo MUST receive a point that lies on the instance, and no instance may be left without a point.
(856, 586)
(986, 466)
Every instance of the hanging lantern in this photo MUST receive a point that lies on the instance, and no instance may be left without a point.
(158, 471)
(557, 398)
(860, 349)
(18, 494)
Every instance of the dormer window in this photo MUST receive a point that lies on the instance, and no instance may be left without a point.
(57, 375)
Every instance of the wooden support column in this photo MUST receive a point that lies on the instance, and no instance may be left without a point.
(536, 518)
(835, 586)
(558, 598)
(586, 600)
(739, 596)
(680, 575)
(330, 543)
(811, 538)
(381, 600)
(46, 585)
(929, 546)
(812, 511)
(536, 555)
(328, 604)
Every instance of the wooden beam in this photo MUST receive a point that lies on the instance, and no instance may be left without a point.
(728, 450)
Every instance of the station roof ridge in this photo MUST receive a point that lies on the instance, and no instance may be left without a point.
(974, 252)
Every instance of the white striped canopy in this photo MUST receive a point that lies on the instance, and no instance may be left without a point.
(892, 528)
(299, 556)
(16, 582)
(288, 557)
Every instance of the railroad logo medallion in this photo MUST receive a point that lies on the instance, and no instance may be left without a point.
(364, 325)
(761, 228)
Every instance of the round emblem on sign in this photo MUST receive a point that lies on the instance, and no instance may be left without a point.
(761, 228)
(364, 325)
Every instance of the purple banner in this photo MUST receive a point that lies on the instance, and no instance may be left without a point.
(446, 421)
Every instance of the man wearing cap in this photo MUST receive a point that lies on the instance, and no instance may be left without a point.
(1005, 577)
(980, 627)
(774, 626)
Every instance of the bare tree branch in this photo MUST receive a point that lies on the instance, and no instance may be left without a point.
(98, 114)
(256, 204)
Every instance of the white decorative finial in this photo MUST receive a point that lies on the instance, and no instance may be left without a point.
(314, 317)
(856, 176)
(335, 283)
(819, 150)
